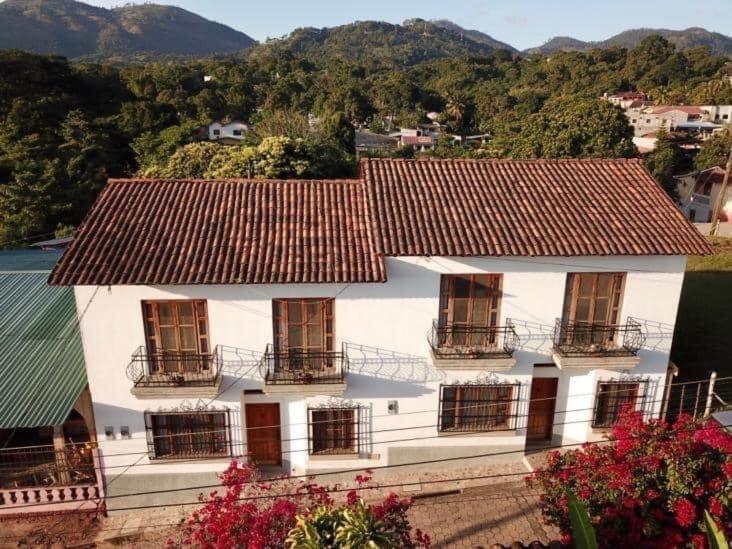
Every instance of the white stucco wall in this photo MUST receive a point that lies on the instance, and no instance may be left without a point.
(386, 327)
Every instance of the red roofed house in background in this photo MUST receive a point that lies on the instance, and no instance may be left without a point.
(427, 310)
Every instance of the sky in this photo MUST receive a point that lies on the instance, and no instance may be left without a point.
(521, 23)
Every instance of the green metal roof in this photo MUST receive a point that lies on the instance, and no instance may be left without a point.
(42, 369)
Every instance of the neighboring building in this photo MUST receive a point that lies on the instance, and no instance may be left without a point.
(697, 123)
(232, 131)
(423, 138)
(626, 99)
(698, 192)
(718, 114)
(54, 244)
(46, 420)
(431, 309)
(367, 141)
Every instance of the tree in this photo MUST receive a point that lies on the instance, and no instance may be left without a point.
(648, 487)
(258, 515)
(664, 161)
(714, 151)
(191, 161)
(573, 127)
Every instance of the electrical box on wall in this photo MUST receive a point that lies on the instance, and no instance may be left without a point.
(393, 407)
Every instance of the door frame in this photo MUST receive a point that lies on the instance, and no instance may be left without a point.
(550, 425)
(275, 405)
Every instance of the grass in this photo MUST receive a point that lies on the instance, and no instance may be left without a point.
(705, 315)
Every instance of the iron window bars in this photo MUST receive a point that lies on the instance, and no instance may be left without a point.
(334, 430)
(611, 396)
(478, 408)
(189, 434)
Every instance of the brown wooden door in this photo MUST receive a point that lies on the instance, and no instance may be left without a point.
(263, 433)
(541, 408)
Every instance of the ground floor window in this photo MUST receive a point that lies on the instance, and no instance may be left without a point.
(611, 397)
(187, 434)
(478, 407)
(334, 430)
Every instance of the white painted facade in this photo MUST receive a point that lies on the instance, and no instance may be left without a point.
(232, 130)
(386, 326)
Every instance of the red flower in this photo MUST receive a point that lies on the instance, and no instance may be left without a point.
(685, 512)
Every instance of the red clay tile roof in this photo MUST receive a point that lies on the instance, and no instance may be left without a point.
(524, 208)
(224, 232)
(259, 232)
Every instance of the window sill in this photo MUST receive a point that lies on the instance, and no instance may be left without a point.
(335, 457)
(305, 389)
(178, 391)
(218, 458)
(589, 362)
(467, 434)
(469, 362)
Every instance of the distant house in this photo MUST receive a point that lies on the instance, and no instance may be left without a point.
(423, 138)
(719, 114)
(698, 192)
(626, 99)
(227, 131)
(47, 429)
(369, 141)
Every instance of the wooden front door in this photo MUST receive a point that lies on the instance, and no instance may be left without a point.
(541, 408)
(263, 433)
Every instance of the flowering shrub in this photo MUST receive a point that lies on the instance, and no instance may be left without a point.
(252, 514)
(649, 486)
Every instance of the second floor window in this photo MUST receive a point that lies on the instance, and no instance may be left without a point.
(187, 434)
(303, 326)
(334, 431)
(593, 298)
(469, 307)
(177, 336)
(477, 407)
(611, 398)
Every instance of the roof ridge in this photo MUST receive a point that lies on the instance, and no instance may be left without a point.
(154, 180)
(505, 160)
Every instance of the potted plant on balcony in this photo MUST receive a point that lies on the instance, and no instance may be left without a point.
(306, 378)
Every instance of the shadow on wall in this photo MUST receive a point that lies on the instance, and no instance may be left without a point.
(703, 325)
(390, 365)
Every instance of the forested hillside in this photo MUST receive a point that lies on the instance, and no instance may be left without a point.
(74, 29)
(693, 37)
(65, 128)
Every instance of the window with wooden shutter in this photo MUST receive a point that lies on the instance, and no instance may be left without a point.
(303, 325)
(334, 431)
(469, 308)
(478, 407)
(177, 335)
(187, 434)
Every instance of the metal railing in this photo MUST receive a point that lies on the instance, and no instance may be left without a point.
(174, 368)
(465, 341)
(586, 339)
(301, 367)
(47, 466)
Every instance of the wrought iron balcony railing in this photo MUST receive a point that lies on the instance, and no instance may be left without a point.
(174, 368)
(586, 339)
(299, 367)
(464, 341)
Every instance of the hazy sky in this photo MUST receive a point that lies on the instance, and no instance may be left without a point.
(521, 23)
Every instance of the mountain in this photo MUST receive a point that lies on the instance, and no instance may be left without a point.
(474, 35)
(74, 29)
(717, 43)
(412, 42)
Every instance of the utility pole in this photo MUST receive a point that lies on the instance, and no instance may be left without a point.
(720, 197)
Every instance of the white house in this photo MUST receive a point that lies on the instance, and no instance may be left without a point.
(233, 130)
(432, 309)
(698, 193)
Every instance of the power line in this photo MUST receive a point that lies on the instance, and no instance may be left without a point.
(688, 398)
(371, 469)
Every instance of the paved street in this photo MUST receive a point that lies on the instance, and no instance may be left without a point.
(483, 516)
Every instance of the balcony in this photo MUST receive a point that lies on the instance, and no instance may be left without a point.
(302, 372)
(175, 374)
(462, 347)
(584, 345)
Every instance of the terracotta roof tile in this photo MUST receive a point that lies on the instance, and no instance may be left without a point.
(524, 208)
(224, 232)
(261, 232)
